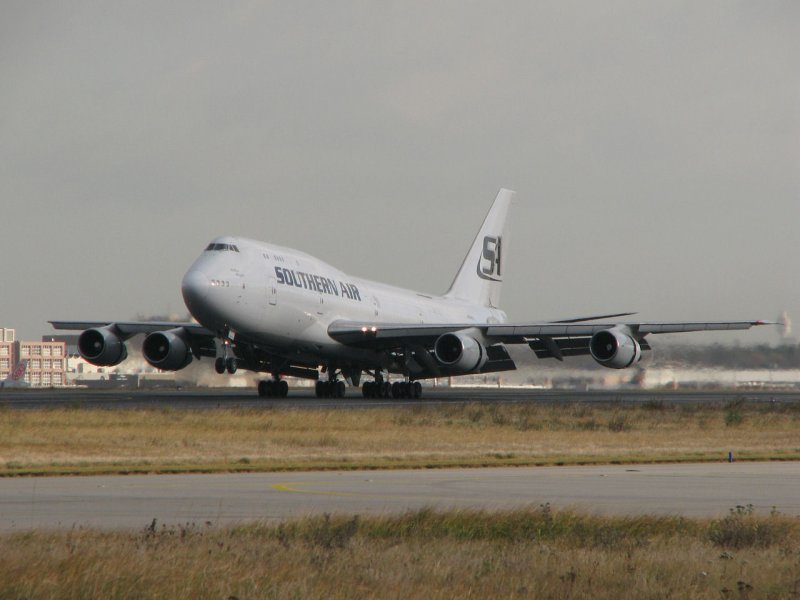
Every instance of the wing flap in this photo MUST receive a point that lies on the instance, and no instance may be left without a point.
(549, 339)
(560, 348)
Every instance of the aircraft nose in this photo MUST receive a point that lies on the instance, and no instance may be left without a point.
(195, 288)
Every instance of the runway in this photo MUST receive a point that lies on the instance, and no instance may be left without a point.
(121, 502)
(208, 399)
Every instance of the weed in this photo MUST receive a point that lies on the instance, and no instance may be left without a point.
(619, 422)
(499, 416)
(475, 414)
(741, 529)
(402, 419)
(588, 425)
(653, 404)
(580, 410)
(328, 533)
(733, 418)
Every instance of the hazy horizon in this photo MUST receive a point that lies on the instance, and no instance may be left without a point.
(654, 148)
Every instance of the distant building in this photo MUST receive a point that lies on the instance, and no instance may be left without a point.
(47, 362)
(8, 351)
(70, 339)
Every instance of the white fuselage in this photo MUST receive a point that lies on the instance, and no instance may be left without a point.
(284, 300)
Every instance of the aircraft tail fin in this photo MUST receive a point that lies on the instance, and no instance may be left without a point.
(16, 377)
(481, 274)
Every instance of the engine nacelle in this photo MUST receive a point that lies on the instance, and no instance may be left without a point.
(614, 349)
(167, 350)
(102, 346)
(459, 352)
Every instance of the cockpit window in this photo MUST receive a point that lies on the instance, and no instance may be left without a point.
(218, 247)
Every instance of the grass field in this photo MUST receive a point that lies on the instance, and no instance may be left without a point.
(526, 553)
(534, 553)
(86, 441)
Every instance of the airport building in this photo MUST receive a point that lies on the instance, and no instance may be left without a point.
(47, 363)
(8, 351)
(47, 360)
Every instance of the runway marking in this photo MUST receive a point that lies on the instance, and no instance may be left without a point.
(291, 487)
(294, 487)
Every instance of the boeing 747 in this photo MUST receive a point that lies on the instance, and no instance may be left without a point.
(282, 312)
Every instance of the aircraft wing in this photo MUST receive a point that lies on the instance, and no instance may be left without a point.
(546, 339)
(202, 343)
(129, 328)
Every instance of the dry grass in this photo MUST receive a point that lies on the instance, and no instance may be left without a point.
(535, 553)
(87, 441)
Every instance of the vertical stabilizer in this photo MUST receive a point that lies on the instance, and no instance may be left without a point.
(481, 274)
(16, 377)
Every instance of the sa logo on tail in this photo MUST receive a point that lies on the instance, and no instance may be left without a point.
(489, 261)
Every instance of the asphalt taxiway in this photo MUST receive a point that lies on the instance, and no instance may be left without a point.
(123, 502)
(204, 399)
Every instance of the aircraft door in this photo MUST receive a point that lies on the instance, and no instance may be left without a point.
(272, 291)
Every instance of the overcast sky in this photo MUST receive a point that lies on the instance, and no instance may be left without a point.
(654, 146)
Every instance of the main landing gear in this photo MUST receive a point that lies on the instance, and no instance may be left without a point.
(330, 389)
(273, 388)
(376, 389)
(399, 389)
(407, 389)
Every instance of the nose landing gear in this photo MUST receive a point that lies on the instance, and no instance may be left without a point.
(225, 364)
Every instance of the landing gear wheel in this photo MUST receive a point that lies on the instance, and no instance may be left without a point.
(319, 389)
(271, 388)
(219, 365)
(372, 389)
(417, 387)
(230, 365)
(340, 389)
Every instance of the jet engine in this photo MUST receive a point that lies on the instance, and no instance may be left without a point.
(460, 352)
(102, 346)
(615, 348)
(167, 350)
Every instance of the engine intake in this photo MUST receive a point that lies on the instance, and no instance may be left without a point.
(460, 352)
(102, 346)
(167, 350)
(614, 349)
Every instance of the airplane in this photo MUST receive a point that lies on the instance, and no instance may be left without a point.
(275, 310)
(16, 377)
